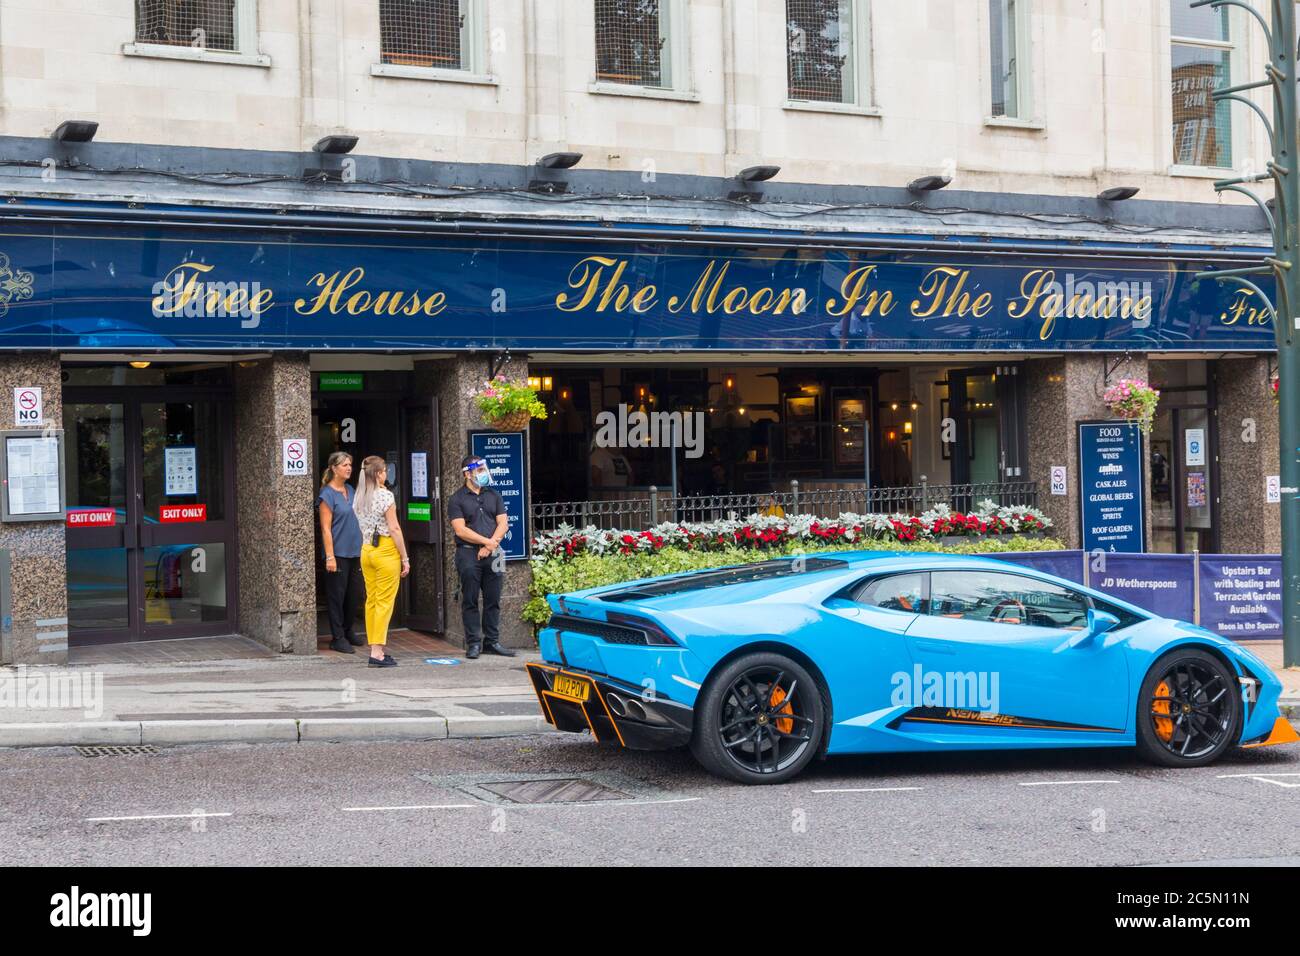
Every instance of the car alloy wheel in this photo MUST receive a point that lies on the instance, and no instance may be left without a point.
(1189, 710)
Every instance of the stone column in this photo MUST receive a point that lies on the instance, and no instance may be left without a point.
(452, 380)
(1248, 454)
(277, 580)
(1062, 391)
(36, 631)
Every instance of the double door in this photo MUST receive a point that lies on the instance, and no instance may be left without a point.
(151, 545)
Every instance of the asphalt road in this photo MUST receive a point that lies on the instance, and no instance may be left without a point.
(425, 803)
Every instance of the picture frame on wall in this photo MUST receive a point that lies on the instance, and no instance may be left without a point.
(802, 436)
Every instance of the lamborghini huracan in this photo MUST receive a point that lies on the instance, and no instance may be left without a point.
(762, 668)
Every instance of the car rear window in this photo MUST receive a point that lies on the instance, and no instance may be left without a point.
(743, 574)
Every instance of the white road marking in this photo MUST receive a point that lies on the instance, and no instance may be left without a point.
(1264, 778)
(414, 806)
(159, 816)
(604, 803)
(1064, 783)
(869, 790)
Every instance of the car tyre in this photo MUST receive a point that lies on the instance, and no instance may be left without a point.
(1189, 709)
(760, 719)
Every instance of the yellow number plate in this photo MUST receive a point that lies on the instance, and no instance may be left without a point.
(572, 688)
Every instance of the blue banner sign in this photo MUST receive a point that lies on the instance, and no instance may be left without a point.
(1111, 491)
(506, 454)
(1063, 564)
(133, 287)
(1163, 584)
(1241, 595)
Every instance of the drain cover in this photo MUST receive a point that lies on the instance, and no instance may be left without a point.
(109, 750)
(570, 790)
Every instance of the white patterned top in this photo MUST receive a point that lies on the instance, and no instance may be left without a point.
(373, 520)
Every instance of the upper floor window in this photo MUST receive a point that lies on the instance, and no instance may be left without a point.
(1201, 61)
(1009, 57)
(219, 30)
(199, 24)
(634, 42)
(825, 51)
(425, 33)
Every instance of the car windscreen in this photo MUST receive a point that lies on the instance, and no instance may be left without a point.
(759, 571)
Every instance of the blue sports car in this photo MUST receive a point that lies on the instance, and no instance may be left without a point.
(764, 667)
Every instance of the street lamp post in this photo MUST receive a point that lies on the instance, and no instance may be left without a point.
(1284, 266)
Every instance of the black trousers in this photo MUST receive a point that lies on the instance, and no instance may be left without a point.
(478, 579)
(344, 593)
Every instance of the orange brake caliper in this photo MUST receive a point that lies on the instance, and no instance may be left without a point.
(1164, 726)
(782, 724)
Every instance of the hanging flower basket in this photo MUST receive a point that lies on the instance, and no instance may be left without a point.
(507, 406)
(1134, 399)
(515, 421)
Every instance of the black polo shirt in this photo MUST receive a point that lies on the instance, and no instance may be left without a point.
(479, 511)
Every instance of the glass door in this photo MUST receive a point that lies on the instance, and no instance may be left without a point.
(150, 533)
(1184, 481)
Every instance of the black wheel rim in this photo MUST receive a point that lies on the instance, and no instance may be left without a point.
(767, 721)
(1191, 709)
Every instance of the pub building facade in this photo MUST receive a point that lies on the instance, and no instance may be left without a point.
(197, 354)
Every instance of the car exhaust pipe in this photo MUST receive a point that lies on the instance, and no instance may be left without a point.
(616, 705)
(636, 710)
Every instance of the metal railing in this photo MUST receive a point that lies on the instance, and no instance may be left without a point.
(656, 507)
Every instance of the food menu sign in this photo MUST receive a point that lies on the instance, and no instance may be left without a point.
(1111, 489)
(33, 476)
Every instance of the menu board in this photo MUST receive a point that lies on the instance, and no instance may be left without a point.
(33, 476)
(1111, 491)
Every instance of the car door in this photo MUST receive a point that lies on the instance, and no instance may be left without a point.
(1013, 633)
(873, 618)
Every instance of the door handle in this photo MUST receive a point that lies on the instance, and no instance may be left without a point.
(934, 647)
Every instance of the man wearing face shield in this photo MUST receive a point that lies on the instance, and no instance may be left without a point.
(478, 519)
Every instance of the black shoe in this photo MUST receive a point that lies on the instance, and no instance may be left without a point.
(342, 646)
(496, 647)
(472, 651)
(382, 662)
(356, 641)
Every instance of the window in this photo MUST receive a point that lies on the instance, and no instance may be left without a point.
(898, 592)
(995, 598)
(221, 30)
(1126, 618)
(1009, 57)
(204, 24)
(424, 33)
(826, 42)
(1201, 61)
(633, 42)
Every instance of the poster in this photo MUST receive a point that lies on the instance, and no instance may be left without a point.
(1196, 495)
(1111, 486)
(1194, 439)
(32, 470)
(181, 472)
(419, 474)
(506, 454)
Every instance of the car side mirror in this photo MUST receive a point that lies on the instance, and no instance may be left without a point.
(1099, 623)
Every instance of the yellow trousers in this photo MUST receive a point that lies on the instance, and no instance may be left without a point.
(382, 569)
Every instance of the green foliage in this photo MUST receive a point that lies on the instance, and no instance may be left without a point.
(555, 576)
(500, 397)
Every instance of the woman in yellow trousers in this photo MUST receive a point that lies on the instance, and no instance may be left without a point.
(384, 561)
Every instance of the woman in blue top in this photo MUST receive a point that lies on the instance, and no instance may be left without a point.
(341, 535)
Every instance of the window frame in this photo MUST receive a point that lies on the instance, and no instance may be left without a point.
(1026, 115)
(861, 62)
(473, 52)
(246, 35)
(674, 62)
(1233, 47)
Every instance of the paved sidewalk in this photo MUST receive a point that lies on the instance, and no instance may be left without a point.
(281, 698)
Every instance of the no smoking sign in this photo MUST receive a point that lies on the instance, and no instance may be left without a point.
(295, 456)
(29, 409)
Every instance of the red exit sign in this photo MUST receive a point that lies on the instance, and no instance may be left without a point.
(173, 514)
(92, 518)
